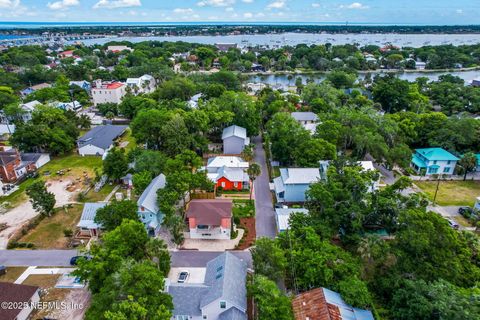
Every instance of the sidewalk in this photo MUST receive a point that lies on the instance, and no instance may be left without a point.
(50, 271)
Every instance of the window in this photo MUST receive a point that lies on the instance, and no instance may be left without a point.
(432, 170)
(446, 169)
(223, 184)
(435, 162)
(223, 304)
(202, 226)
(235, 184)
(448, 162)
(204, 316)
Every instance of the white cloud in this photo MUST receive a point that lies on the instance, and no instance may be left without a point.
(247, 1)
(63, 4)
(229, 9)
(248, 15)
(215, 3)
(9, 4)
(183, 10)
(355, 5)
(260, 15)
(316, 5)
(112, 4)
(276, 4)
(459, 11)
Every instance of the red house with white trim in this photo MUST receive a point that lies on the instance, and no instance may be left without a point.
(228, 173)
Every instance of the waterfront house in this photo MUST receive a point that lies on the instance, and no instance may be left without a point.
(433, 161)
(148, 210)
(292, 183)
(234, 139)
(118, 49)
(210, 219)
(87, 227)
(108, 92)
(228, 172)
(21, 297)
(99, 140)
(323, 304)
(221, 296)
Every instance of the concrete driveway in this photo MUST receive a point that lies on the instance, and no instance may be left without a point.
(264, 212)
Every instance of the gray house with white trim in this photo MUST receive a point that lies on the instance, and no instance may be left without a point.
(99, 140)
(222, 296)
(148, 210)
(234, 139)
(294, 182)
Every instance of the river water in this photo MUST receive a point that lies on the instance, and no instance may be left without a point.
(292, 39)
(283, 80)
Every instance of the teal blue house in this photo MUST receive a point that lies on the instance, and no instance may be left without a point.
(433, 161)
(148, 211)
(478, 161)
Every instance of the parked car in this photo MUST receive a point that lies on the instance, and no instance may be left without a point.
(465, 210)
(3, 270)
(183, 276)
(453, 224)
(74, 260)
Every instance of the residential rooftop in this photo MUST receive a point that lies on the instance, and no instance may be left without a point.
(101, 136)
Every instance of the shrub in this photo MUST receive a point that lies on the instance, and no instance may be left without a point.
(67, 233)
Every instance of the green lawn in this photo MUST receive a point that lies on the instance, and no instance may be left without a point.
(452, 193)
(76, 163)
(243, 208)
(49, 232)
(127, 137)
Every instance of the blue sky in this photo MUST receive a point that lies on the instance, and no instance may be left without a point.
(353, 11)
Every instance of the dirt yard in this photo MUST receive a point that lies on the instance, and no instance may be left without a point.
(250, 233)
(18, 216)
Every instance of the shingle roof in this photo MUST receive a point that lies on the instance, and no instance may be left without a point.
(187, 298)
(30, 157)
(324, 304)
(304, 116)
(438, 154)
(87, 220)
(101, 136)
(30, 106)
(232, 314)
(148, 199)
(209, 212)
(10, 292)
(235, 131)
(7, 156)
(226, 277)
(300, 175)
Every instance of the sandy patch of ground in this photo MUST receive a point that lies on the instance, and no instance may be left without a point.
(18, 216)
(76, 302)
(212, 245)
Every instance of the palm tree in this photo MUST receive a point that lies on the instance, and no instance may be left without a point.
(468, 163)
(253, 171)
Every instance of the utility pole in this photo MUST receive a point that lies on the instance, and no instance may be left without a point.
(436, 190)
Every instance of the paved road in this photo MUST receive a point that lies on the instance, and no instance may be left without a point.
(61, 258)
(265, 214)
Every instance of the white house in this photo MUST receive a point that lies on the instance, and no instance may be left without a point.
(99, 140)
(72, 106)
(308, 120)
(221, 296)
(108, 92)
(144, 84)
(210, 219)
(433, 161)
(28, 108)
(234, 139)
(87, 225)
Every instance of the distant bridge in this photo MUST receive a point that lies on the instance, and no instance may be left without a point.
(48, 39)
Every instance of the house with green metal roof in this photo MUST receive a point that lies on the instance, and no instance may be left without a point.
(433, 161)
